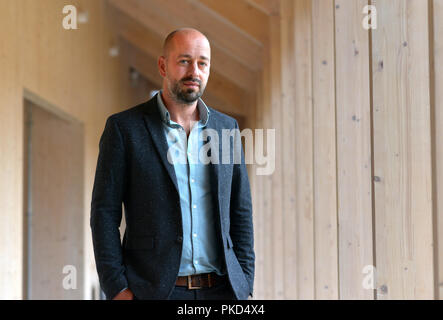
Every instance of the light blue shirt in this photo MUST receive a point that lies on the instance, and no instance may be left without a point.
(201, 252)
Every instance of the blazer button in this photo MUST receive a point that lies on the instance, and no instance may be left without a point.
(179, 239)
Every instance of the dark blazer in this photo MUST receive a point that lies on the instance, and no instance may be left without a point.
(133, 169)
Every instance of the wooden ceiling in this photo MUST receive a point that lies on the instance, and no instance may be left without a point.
(236, 29)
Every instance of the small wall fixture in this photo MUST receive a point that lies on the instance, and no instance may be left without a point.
(83, 17)
(114, 51)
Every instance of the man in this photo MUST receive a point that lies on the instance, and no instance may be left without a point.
(189, 232)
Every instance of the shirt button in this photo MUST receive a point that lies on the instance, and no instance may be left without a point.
(179, 239)
(196, 262)
(195, 235)
(194, 206)
(192, 180)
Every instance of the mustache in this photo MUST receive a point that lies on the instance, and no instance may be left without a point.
(191, 79)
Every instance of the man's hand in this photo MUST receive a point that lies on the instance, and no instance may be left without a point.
(124, 295)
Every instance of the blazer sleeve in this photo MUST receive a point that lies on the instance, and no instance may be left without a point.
(241, 230)
(106, 210)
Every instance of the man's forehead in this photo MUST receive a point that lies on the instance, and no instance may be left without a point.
(191, 49)
(190, 56)
(191, 43)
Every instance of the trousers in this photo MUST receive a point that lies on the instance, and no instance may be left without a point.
(221, 291)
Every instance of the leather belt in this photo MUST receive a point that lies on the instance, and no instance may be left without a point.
(198, 281)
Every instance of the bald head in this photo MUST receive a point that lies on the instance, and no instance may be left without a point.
(183, 35)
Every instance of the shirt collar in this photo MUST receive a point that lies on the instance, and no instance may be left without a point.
(166, 118)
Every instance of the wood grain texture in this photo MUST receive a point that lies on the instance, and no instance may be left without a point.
(325, 175)
(270, 7)
(245, 16)
(267, 210)
(275, 116)
(402, 151)
(437, 94)
(304, 196)
(288, 152)
(353, 148)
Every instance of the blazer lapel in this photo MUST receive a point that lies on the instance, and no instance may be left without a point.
(215, 167)
(155, 127)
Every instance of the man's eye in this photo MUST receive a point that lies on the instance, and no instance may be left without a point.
(203, 64)
(183, 61)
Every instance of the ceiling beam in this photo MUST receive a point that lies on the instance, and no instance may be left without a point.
(270, 7)
(242, 14)
(126, 22)
(224, 35)
(142, 62)
(219, 93)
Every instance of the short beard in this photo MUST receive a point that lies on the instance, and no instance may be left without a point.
(185, 95)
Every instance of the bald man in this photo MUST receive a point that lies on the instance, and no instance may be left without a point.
(189, 231)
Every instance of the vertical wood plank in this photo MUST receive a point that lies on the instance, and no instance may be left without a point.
(287, 14)
(437, 6)
(257, 199)
(353, 148)
(304, 199)
(11, 153)
(268, 218)
(325, 178)
(297, 149)
(277, 175)
(402, 151)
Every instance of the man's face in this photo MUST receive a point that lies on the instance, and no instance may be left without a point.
(186, 67)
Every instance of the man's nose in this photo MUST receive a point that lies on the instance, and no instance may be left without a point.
(194, 71)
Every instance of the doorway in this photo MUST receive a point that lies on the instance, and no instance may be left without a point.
(53, 202)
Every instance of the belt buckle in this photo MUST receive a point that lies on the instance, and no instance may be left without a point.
(190, 287)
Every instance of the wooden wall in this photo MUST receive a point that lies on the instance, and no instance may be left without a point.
(436, 85)
(358, 179)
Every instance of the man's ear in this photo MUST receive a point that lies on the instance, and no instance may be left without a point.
(162, 66)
